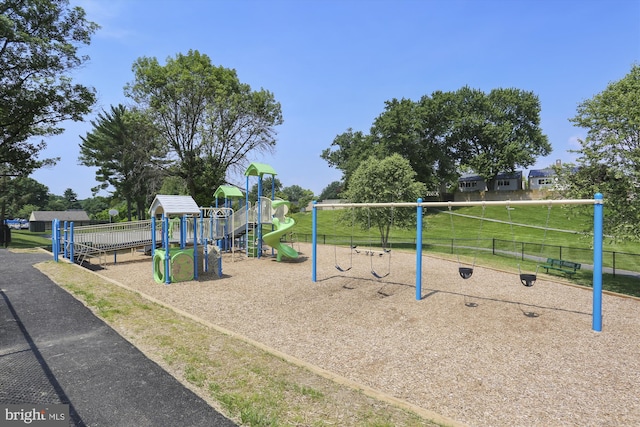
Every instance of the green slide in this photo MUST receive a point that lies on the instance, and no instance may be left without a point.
(273, 239)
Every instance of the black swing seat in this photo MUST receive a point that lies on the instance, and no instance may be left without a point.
(342, 269)
(465, 272)
(528, 279)
(378, 276)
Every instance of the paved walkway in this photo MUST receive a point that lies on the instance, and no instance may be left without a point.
(54, 350)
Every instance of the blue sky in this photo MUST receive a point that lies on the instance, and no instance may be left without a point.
(333, 63)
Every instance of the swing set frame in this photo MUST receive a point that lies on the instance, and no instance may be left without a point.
(597, 202)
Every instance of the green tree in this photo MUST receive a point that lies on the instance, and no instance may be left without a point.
(331, 191)
(97, 207)
(71, 200)
(209, 119)
(298, 196)
(39, 42)
(448, 131)
(380, 181)
(419, 131)
(266, 188)
(125, 147)
(22, 191)
(498, 132)
(609, 160)
(347, 151)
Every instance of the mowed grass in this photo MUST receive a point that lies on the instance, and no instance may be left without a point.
(24, 239)
(249, 385)
(497, 238)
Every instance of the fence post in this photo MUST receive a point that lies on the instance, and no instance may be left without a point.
(493, 246)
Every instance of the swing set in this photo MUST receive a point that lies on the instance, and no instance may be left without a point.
(527, 279)
(386, 249)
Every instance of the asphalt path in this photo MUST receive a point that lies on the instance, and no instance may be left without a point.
(54, 350)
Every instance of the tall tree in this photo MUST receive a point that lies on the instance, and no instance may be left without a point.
(39, 42)
(498, 132)
(209, 119)
(71, 199)
(125, 148)
(23, 191)
(347, 151)
(609, 160)
(331, 191)
(377, 181)
(419, 132)
(448, 131)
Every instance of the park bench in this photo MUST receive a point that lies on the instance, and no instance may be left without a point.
(568, 267)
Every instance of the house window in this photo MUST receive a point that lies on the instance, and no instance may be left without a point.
(468, 184)
(545, 181)
(503, 183)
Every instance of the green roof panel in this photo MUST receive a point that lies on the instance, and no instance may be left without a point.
(259, 169)
(228, 191)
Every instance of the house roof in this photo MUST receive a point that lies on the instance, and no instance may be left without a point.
(259, 169)
(228, 191)
(46, 216)
(474, 177)
(174, 205)
(539, 173)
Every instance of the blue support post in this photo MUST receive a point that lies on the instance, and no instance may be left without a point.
(55, 236)
(259, 221)
(598, 219)
(195, 248)
(314, 240)
(71, 257)
(419, 251)
(153, 235)
(65, 242)
(246, 206)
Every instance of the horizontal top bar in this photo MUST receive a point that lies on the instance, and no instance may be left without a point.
(452, 204)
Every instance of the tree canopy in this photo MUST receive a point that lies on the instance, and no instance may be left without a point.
(39, 47)
(125, 148)
(209, 120)
(378, 181)
(449, 131)
(609, 160)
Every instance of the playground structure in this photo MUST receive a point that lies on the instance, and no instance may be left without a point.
(527, 279)
(180, 232)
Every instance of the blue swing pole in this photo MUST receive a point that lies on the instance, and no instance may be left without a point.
(598, 216)
(314, 240)
(419, 251)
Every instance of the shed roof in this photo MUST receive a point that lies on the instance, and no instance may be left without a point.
(259, 169)
(228, 191)
(46, 216)
(173, 205)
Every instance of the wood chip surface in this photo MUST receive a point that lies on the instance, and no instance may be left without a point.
(485, 351)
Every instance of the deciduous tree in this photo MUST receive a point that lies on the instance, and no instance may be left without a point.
(209, 119)
(609, 160)
(378, 181)
(39, 48)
